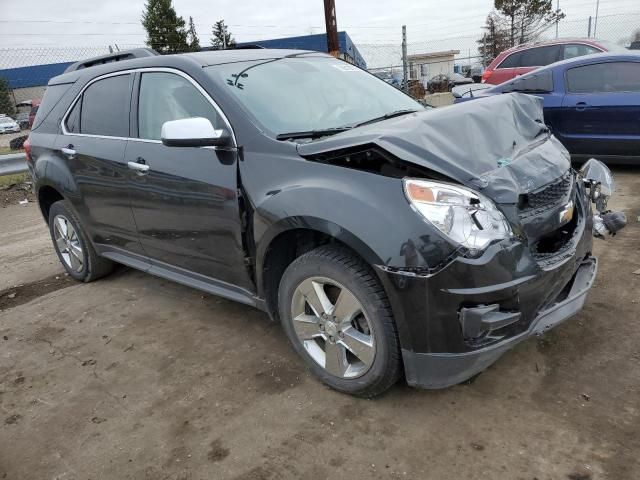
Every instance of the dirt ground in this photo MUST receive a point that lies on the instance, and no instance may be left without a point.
(134, 377)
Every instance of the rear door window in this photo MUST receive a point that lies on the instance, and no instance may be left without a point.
(540, 56)
(577, 50)
(105, 107)
(609, 77)
(512, 61)
(167, 96)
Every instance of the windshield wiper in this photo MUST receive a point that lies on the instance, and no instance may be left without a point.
(312, 133)
(386, 116)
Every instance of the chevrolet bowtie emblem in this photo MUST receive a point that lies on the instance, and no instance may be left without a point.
(566, 214)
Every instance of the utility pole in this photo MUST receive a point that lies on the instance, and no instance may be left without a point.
(224, 37)
(333, 45)
(405, 66)
(595, 23)
(557, 12)
(589, 29)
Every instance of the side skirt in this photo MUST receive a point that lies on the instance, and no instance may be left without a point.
(180, 275)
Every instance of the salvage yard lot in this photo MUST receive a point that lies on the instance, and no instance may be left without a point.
(136, 377)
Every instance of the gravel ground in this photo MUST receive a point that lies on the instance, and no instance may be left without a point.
(134, 377)
(5, 138)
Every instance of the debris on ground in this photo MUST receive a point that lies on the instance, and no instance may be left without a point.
(16, 193)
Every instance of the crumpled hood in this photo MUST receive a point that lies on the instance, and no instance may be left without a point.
(498, 145)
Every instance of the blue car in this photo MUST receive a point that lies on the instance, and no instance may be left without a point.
(591, 103)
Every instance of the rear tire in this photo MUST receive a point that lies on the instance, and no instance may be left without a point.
(338, 318)
(75, 251)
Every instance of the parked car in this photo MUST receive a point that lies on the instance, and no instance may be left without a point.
(476, 72)
(23, 120)
(445, 82)
(8, 125)
(33, 112)
(591, 103)
(385, 237)
(525, 58)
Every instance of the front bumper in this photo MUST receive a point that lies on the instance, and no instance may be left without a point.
(455, 322)
(439, 370)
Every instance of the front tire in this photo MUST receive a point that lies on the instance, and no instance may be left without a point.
(337, 316)
(75, 251)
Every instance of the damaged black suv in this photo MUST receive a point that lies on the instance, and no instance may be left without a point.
(388, 239)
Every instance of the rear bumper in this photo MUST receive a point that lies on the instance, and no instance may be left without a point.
(439, 370)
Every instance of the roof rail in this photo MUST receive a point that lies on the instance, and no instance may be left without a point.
(112, 57)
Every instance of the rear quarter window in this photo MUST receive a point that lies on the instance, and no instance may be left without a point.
(512, 61)
(539, 82)
(52, 96)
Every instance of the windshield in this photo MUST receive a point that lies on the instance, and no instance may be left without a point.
(301, 94)
(6, 120)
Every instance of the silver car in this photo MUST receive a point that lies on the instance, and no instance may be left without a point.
(8, 125)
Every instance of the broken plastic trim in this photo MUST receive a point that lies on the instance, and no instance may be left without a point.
(373, 159)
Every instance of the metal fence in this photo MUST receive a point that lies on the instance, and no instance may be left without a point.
(459, 53)
(428, 53)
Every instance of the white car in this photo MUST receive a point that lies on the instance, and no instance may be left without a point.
(8, 125)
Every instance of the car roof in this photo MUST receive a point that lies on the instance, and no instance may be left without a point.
(593, 58)
(555, 41)
(581, 60)
(182, 60)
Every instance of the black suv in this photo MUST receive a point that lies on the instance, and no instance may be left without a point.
(388, 239)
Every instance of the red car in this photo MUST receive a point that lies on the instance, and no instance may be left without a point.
(34, 109)
(524, 58)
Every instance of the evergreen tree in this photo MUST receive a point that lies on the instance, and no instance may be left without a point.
(221, 36)
(192, 37)
(496, 38)
(527, 19)
(6, 104)
(165, 29)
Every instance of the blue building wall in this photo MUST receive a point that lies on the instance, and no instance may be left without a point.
(316, 42)
(35, 76)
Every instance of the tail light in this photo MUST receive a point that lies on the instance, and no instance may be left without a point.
(486, 75)
(27, 150)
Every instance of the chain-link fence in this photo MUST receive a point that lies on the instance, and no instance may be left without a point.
(27, 70)
(428, 59)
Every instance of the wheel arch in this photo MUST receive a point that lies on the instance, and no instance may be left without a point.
(291, 237)
(53, 182)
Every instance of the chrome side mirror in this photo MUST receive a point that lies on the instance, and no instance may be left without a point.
(193, 132)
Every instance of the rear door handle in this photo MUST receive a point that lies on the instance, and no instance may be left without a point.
(140, 168)
(581, 106)
(68, 151)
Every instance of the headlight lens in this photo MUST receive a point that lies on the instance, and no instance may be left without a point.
(465, 216)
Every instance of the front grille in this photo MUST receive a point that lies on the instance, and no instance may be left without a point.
(549, 195)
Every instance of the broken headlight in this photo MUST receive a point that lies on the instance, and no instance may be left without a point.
(465, 216)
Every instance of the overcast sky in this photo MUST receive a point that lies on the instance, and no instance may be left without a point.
(49, 23)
